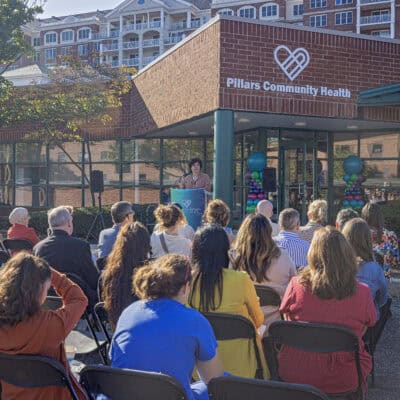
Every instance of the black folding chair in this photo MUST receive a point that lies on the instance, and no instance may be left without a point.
(17, 244)
(125, 384)
(231, 326)
(101, 263)
(34, 371)
(234, 388)
(4, 257)
(102, 319)
(268, 296)
(318, 338)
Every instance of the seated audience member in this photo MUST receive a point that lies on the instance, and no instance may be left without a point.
(258, 255)
(121, 214)
(288, 238)
(158, 333)
(327, 292)
(265, 207)
(317, 215)
(131, 249)
(19, 219)
(25, 328)
(217, 212)
(344, 215)
(216, 288)
(167, 238)
(369, 272)
(68, 254)
(384, 242)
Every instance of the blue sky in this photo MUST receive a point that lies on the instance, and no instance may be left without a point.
(58, 8)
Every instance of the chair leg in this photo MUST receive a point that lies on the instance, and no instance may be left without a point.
(93, 333)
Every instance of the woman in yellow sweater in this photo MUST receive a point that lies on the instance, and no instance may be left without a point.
(218, 289)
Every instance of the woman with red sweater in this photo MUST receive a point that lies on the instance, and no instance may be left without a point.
(19, 219)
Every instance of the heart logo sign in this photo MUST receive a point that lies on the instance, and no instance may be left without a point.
(292, 63)
(187, 203)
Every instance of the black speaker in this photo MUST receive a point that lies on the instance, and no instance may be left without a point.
(269, 179)
(97, 181)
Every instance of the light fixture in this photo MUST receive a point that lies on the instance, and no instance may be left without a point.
(193, 133)
(352, 127)
(244, 120)
(300, 123)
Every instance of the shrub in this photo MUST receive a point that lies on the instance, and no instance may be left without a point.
(391, 212)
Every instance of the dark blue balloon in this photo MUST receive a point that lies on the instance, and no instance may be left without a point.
(352, 165)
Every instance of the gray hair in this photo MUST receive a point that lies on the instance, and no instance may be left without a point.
(289, 218)
(59, 216)
(344, 215)
(18, 215)
(120, 210)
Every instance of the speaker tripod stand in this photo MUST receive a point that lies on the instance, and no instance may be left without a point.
(98, 219)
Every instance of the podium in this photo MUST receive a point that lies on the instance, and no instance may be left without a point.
(193, 202)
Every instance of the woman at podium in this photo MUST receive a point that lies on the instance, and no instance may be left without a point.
(196, 179)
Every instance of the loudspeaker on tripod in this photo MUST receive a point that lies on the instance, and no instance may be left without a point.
(269, 179)
(97, 181)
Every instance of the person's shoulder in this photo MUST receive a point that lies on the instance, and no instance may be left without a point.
(362, 289)
(107, 232)
(235, 276)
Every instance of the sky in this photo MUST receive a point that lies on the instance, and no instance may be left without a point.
(57, 8)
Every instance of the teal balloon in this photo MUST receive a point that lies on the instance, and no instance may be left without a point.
(256, 161)
(352, 165)
(354, 203)
(346, 203)
(346, 178)
(361, 203)
(249, 203)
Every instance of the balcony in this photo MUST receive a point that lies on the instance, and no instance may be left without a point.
(131, 62)
(178, 27)
(105, 35)
(130, 45)
(149, 59)
(376, 19)
(173, 40)
(115, 63)
(151, 42)
(109, 47)
(195, 24)
(141, 26)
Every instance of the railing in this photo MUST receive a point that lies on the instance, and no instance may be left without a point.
(109, 47)
(148, 59)
(130, 45)
(173, 40)
(155, 24)
(374, 1)
(178, 27)
(375, 19)
(151, 42)
(382, 34)
(105, 35)
(131, 62)
(115, 63)
(141, 26)
(195, 24)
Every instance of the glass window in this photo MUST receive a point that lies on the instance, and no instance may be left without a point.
(67, 36)
(182, 149)
(380, 145)
(110, 196)
(344, 18)
(172, 172)
(247, 12)
(103, 150)
(317, 3)
(110, 172)
(36, 42)
(343, 2)
(225, 11)
(318, 20)
(269, 10)
(142, 174)
(298, 9)
(30, 152)
(66, 51)
(6, 152)
(74, 149)
(141, 195)
(30, 174)
(84, 33)
(50, 55)
(31, 196)
(70, 195)
(64, 174)
(50, 38)
(141, 150)
(83, 50)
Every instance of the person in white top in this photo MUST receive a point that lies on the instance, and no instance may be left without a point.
(167, 238)
(265, 207)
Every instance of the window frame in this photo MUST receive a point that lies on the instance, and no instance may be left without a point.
(318, 4)
(321, 16)
(344, 18)
(266, 6)
(300, 6)
(52, 49)
(224, 11)
(67, 31)
(51, 33)
(244, 8)
(84, 28)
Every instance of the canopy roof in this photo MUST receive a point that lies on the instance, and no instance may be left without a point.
(380, 96)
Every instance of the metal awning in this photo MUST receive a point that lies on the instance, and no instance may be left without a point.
(380, 96)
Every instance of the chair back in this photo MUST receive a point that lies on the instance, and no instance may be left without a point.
(125, 384)
(33, 371)
(4, 257)
(17, 244)
(102, 319)
(319, 338)
(268, 296)
(235, 388)
(101, 263)
(232, 326)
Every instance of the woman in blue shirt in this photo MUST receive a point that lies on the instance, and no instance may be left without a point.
(369, 272)
(159, 333)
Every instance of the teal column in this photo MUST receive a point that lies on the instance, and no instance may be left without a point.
(223, 156)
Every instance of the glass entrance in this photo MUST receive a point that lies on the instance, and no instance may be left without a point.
(298, 174)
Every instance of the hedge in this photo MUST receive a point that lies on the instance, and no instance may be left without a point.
(391, 212)
(83, 218)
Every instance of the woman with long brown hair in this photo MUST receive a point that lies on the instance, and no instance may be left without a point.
(131, 249)
(26, 328)
(256, 253)
(327, 292)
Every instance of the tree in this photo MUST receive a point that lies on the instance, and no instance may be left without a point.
(78, 97)
(13, 15)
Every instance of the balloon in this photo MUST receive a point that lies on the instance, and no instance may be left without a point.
(252, 196)
(256, 161)
(261, 196)
(248, 174)
(254, 175)
(353, 165)
(248, 209)
(249, 202)
(346, 203)
(346, 178)
(353, 177)
(354, 203)
(357, 197)
(361, 203)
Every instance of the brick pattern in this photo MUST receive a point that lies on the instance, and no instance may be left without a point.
(336, 61)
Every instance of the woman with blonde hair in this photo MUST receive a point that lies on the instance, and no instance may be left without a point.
(218, 212)
(159, 333)
(131, 249)
(167, 238)
(327, 292)
(26, 328)
(257, 254)
(317, 215)
(369, 271)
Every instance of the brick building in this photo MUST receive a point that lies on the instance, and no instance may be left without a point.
(307, 98)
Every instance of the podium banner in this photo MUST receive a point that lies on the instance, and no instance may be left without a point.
(193, 202)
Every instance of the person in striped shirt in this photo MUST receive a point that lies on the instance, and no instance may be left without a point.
(288, 238)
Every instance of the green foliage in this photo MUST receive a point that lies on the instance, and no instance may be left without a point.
(391, 212)
(83, 218)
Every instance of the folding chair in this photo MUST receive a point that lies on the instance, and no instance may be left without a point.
(102, 319)
(125, 384)
(17, 245)
(101, 263)
(231, 326)
(84, 344)
(4, 257)
(34, 371)
(318, 338)
(235, 388)
(268, 296)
